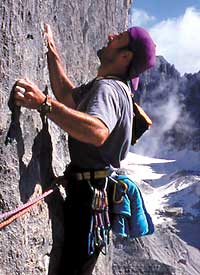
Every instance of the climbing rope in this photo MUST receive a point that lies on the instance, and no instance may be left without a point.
(21, 210)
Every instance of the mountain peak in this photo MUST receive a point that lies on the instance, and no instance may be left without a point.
(172, 102)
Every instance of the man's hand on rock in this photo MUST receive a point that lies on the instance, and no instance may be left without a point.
(28, 95)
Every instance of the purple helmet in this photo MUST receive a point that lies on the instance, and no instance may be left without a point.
(144, 50)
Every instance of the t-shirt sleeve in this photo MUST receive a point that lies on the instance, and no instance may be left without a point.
(104, 104)
(79, 93)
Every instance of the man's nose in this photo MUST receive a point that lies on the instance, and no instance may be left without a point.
(111, 37)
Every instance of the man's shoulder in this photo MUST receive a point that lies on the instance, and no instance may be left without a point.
(106, 81)
(110, 83)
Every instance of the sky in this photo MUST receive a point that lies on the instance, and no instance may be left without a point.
(175, 27)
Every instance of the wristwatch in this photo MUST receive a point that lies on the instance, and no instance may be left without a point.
(45, 107)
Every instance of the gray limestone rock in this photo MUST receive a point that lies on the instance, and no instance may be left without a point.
(31, 152)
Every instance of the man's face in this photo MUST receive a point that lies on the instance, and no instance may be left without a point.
(115, 42)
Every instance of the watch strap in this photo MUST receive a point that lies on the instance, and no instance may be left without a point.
(45, 107)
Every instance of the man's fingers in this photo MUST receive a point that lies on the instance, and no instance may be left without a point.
(46, 26)
(20, 90)
(22, 94)
(19, 96)
(29, 96)
(47, 29)
(22, 83)
(48, 35)
(23, 99)
(25, 83)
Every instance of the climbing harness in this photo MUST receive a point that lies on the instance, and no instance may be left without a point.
(98, 174)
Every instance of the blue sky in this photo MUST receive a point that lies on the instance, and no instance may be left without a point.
(175, 28)
(163, 9)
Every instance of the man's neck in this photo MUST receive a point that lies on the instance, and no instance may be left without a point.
(102, 72)
(106, 72)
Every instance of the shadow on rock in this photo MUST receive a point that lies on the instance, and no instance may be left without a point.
(38, 171)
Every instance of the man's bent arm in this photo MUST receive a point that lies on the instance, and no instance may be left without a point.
(80, 126)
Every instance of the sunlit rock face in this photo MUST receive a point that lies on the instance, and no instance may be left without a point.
(30, 152)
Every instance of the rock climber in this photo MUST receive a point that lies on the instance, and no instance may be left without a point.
(98, 119)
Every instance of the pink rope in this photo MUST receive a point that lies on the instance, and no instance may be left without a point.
(22, 207)
(17, 215)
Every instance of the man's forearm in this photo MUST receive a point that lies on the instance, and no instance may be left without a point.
(60, 83)
(80, 126)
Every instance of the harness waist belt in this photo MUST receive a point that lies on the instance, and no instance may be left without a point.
(99, 174)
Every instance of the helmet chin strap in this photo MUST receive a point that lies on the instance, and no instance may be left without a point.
(134, 84)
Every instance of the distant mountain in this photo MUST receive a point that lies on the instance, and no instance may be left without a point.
(172, 101)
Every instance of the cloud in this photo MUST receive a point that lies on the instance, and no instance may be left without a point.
(165, 111)
(140, 18)
(178, 40)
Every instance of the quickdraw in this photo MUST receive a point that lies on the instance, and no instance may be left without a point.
(100, 222)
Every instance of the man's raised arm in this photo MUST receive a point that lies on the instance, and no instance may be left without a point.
(60, 83)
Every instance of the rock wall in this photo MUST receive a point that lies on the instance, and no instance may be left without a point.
(31, 151)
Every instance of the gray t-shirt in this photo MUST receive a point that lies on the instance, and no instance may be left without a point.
(107, 100)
